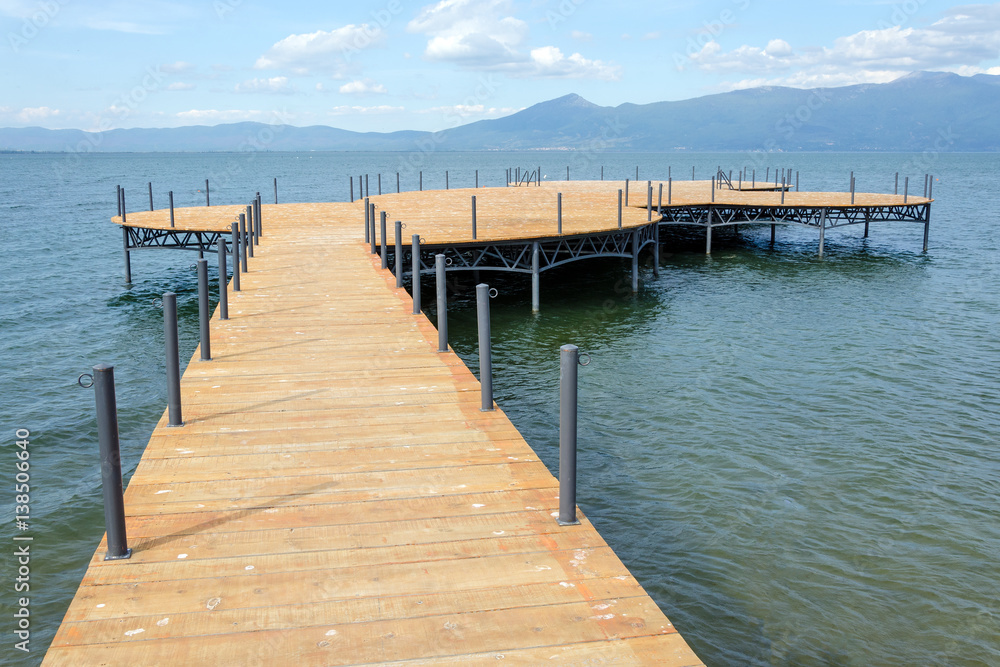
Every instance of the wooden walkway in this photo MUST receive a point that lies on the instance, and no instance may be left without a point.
(336, 497)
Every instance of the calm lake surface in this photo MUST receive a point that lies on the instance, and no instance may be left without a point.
(797, 457)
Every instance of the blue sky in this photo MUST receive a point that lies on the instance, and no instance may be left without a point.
(389, 65)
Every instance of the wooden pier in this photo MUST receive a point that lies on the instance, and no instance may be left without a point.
(336, 496)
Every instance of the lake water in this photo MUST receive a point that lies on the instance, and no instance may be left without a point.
(797, 457)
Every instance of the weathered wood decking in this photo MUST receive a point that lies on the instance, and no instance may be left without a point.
(337, 497)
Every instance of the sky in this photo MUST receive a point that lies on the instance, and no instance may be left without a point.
(391, 65)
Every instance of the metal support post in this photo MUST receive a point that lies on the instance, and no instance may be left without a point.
(713, 189)
(383, 242)
(447, 183)
(398, 238)
(352, 190)
(659, 199)
(368, 191)
(906, 189)
(276, 190)
(649, 202)
(223, 279)
(208, 202)
(122, 193)
(173, 360)
(536, 285)
(626, 192)
(236, 256)
(670, 191)
(150, 195)
(485, 350)
(772, 233)
(203, 312)
(927, 226)
(250, 233)
(368, 221)
(559, 213)
(111, 462)
(170, 196)
(442, 302)
(421, 181)
(243, 243)
(708, 233)
(619, 209)
(118, 199)
(474, 217)
(372, 235)
(380, 183)
(569, 360)
(477, 179)
(415, 248)
(397, 182)
(822, 231)
(635, 261)
(656, 251)
(128, 256)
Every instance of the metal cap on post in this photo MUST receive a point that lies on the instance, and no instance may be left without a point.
(483, 294)
(223, 292)
(415, 251)
(569, 360)
(203, 313)
(236, 256)
(173, 359)
(442, 302)
(398, 238)
(111, 462)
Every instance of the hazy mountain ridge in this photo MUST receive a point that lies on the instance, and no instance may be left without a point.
(923, 111)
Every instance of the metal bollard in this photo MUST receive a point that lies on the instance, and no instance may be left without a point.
(122, 193)
(474, 216)
(223, 292)
(382, 241)
(173, 360)
(783, 191)
(670, 191)
(559, 212)
(485, 347)
(243, 243)
(368, 222)
(906, 190)
(150, 195)
(477, 179)
(421, 181)
(397, 182)
(368, 191)
(275, 189)
(250, 230)
(626, 192)
(398, 237)
(170, 195)
(852, 188)
(260, 216)
(208, 202)
(569, 359)
(713, 188)
(415, 251)
(203, 312)
(371, 234)
(111, 462)
(446, 180)
(380, 183)
(236, 256)
(352, 191)
(442, 302)
(127, 256)
(649, 203)
(659, 198)
(118, 199)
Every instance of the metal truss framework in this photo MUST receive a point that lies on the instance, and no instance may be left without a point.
(722, 215)
(140, 238)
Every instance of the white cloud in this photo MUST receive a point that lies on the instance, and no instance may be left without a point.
(35, 114)
(277, 84)
(962, 41)
(367, 111)
(471, 111)
(321, 50)
(549, 61)
(181, 86)
(582, 36)
(363, 87)
(179, 67)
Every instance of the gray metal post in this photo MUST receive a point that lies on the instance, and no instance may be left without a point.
(536, 283)
(223, 279)
(352, 191)
(250, 230)
(567, 172)
(796, 181)
(259, 216)
(150, 195)
(380, 183)
(635, 261)
(442, 302)
(122, 193)
(906, 189)
(415, 248)
(670, 191)
(927, 226)
(559, 212)
(708, 233)
(783, 191)
(118, 199)
(692, 173)
(421, 181)
(111, 462)
(896, 191)
(602, 172)
(397, 182)
(203, 312)
(173, 360)
(208, 202)
(477, 179)
(446, 180)
(538, 177)
(772, 233)
(713, 189)
(867, 220)
(383, 242)
(236, 256)
(649, 202)
(276, 190)
(399, 253)
(368, 191)
(925, 190)
(626, 192)
(485, 349)
(753, 182)
(474, 217)
(852, 188)
(659, 199)
(368, 221)
(243, 243)
(361, 187)
(822, 231)
(656, 251)
(170, 195)
(128, 256)
(930, 187)
(372, 235)
(619, 208)
(569, 360)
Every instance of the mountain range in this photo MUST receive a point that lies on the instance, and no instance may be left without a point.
(923, 111)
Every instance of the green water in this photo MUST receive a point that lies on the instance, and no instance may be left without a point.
(797, 457)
